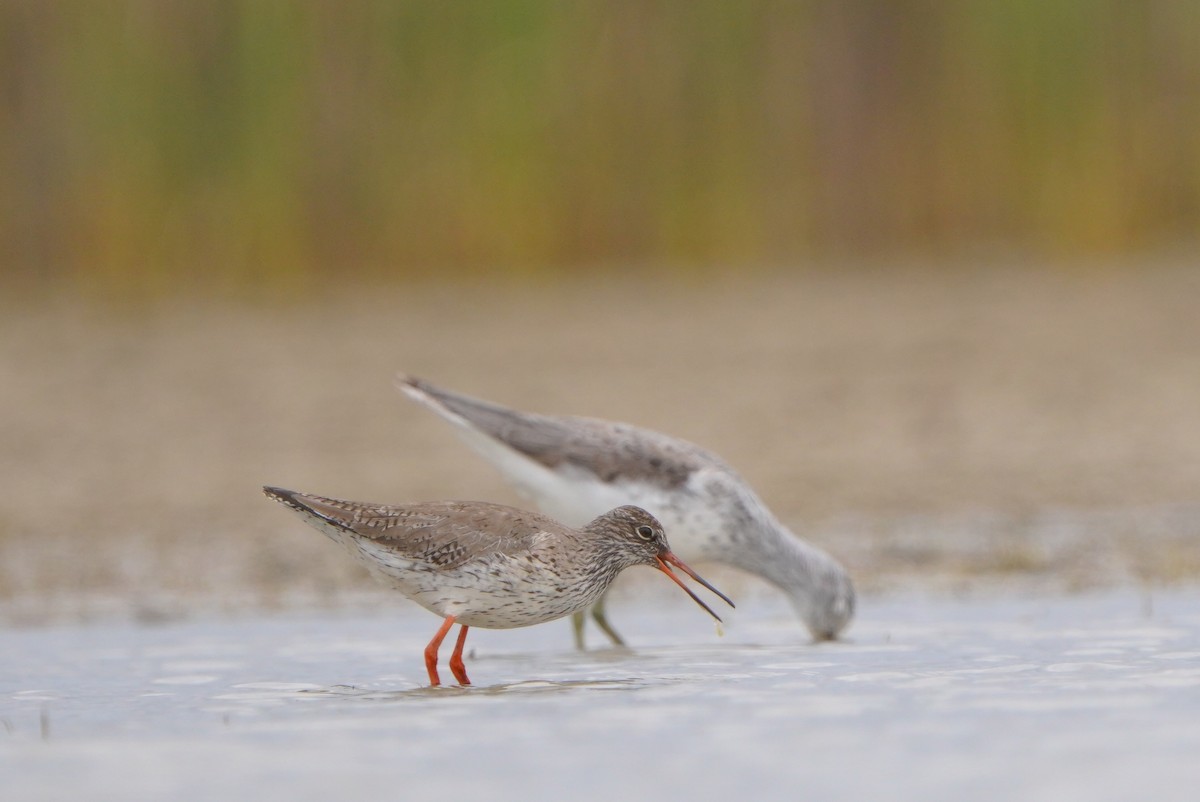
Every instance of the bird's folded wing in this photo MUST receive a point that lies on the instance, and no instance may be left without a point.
(443, 534)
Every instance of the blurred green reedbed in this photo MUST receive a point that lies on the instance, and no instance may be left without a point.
(947, 428)
(149, 146)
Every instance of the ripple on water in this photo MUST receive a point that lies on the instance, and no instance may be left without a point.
(1183, 678)
(281, 687)
(1081, 668)
(186, 679)
(1176, 656)
(798, 665)
(199, 666)
(875, 676)
(527, 687)
(1061, 703)
(1016, 668)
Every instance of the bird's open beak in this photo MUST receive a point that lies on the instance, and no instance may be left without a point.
(667, 559)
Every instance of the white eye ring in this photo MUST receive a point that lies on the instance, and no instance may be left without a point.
(645, 533)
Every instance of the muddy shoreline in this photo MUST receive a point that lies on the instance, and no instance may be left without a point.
(931, 428)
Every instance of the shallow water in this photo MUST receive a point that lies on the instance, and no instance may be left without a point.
(1093, 697)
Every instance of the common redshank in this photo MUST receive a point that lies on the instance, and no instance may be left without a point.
(573, 467)
(488, 565)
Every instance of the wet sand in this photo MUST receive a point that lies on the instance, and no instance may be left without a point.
(958, 430)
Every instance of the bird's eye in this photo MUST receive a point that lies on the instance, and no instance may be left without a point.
(645, 533)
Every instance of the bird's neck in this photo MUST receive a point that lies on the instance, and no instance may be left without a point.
(783, 559)
(603, 559)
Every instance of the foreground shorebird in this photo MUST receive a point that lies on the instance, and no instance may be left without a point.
(573, 468)
(488, 565)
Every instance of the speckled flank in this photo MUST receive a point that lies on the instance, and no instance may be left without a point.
(574, 468)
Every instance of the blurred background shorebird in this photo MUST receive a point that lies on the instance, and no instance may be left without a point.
(573, 468)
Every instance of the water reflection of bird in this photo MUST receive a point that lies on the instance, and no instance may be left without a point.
(573, 468)
(487, 565)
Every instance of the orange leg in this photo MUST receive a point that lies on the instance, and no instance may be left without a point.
(456, 663)
(431, 652)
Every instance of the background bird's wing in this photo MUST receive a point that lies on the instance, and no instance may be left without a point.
(611, 451)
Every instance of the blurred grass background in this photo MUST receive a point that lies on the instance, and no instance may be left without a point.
(152, 146)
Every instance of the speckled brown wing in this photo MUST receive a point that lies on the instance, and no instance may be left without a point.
(443, 534)
(613, 452)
